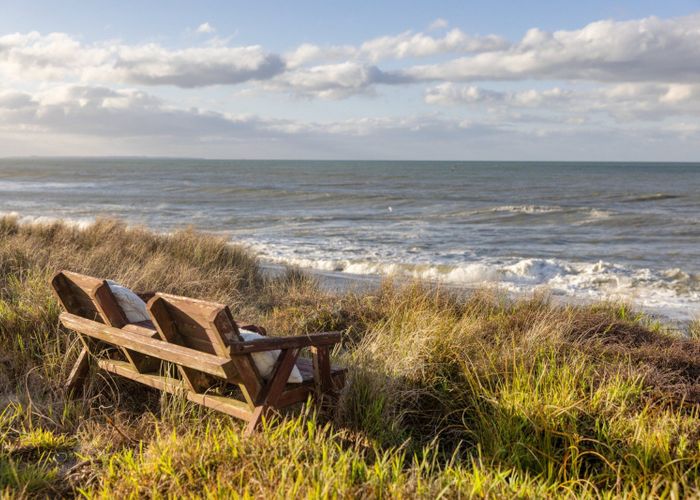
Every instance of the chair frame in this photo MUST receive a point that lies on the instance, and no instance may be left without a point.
(202, 340)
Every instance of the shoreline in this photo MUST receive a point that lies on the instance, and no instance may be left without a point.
(341, 282)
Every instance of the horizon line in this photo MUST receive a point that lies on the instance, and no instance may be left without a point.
(201, 158)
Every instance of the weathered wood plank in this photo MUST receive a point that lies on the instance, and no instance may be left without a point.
(145, 328)
(322, 368)
(228, 405)
(77, 375)
(174, 353)
(297, 394)
(269, 343)
(106, 303)
(73, 297)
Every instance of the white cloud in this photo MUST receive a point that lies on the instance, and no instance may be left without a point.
(205, 28)
(55, 56)
(624, 102)
(100, 112)
(308, 53)
(409, 44)
(101, 120)
(194, 67)
(103, 112)
(644, 50)
(438, 24)
(392, 47)
(650, 49)
(450, 94)
(58, 56)
(333, 81)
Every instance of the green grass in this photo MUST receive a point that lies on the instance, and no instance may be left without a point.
(447, 396)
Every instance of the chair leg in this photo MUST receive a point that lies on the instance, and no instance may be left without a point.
(255, 420)
(78, 373)
(273, 389)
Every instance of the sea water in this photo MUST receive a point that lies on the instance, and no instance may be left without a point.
(584, 231)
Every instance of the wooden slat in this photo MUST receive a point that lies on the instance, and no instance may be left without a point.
(228, 405)
(190, 332)
(144, 328)
(182, 356)
(298, 393)
(83, 281)
(322, 368)
(107, 304)
(222, 330)
(269, 343)
(72, 296)
(78, 373)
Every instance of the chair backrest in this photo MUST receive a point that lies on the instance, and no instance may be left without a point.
(206, 327)
(88, 297)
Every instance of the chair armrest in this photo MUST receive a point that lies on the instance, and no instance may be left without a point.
(270, 343)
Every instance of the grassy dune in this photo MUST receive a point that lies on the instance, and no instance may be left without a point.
(447, 396)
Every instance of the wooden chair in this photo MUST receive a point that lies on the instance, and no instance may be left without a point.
(214, 364)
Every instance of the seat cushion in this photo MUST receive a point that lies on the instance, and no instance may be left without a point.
(265, 360)
(134, 308)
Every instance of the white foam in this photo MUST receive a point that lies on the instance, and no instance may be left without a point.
(528, 209)
(672, 292)
(39, 220)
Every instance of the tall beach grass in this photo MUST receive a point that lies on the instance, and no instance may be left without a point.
(448, 395)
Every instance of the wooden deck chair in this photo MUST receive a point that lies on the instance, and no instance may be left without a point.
(203, 341)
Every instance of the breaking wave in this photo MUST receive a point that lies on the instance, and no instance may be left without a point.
(670, 292)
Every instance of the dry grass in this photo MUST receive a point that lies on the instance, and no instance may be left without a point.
(447, 396)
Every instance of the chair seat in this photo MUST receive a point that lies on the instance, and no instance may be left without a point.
(306, 367)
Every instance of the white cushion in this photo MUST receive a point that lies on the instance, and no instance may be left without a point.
(265, 360)
(134, 308)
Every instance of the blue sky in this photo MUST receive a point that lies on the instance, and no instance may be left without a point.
(396, 80)
(281, 24)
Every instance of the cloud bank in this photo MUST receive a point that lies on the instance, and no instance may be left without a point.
(636, 80)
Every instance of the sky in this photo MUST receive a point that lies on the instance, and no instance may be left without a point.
(409, 80)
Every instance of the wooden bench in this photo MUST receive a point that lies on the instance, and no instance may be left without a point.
(214, 364)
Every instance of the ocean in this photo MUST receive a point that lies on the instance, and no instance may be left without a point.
(583, 231)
